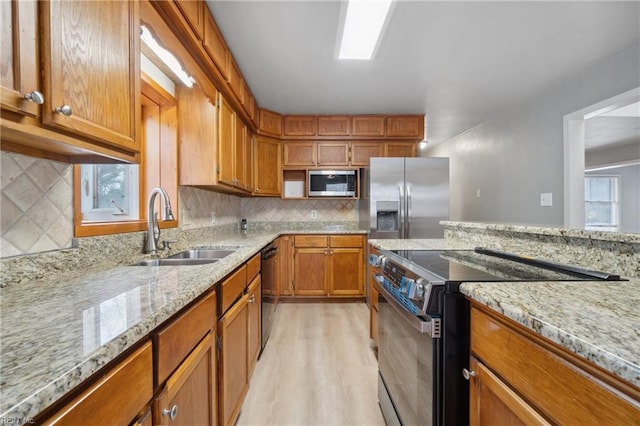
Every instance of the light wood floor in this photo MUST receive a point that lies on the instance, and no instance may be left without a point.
(318, 368)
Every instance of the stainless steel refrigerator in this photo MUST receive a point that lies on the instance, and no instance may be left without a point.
(404, 197)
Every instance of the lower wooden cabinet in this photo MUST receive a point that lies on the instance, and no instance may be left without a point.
(116, 398)
(328, 265)
(254, 321)
(189, 395)
(373, 312)
(233, 365)
(518, 377)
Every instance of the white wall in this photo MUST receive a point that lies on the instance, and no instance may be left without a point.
(518, 154)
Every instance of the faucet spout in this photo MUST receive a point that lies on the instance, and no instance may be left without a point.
(153, 231)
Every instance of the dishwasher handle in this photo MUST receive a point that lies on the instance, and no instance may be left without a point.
(269, 252)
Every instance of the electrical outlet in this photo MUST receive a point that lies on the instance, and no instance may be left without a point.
(546, 199)
(314, 214)
(213, 217)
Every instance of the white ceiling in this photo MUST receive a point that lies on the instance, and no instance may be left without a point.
(458, 62)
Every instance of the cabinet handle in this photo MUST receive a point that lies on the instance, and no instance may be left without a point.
(172, 413)
(64, 110)
(35, 97)
(257, 189)
(468, 374)
(252, 299)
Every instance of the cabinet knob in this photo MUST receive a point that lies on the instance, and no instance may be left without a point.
(64, 110)
(252, 299)
(468, 374)
(35, 97)
(257, 189)
(172, 413)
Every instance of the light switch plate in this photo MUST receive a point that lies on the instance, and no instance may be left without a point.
(546, 199)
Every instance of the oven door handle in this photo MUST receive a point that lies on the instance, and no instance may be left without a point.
(430, 327)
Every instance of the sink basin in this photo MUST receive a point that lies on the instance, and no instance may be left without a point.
(202, 254)
(174, 262)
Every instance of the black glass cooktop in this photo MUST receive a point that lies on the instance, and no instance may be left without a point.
(469, 265)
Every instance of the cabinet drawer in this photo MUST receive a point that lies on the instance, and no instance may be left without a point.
(233, 287)
(253, 267)
(177, 340)
(310, 241)
(346, 241)
(116, 398)
(562, 390)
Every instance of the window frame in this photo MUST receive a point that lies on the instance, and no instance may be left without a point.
(166, 103)
(614, 204)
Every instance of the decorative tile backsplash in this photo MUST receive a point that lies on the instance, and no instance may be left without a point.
(37, 204)
(277, 210)
(200, 208)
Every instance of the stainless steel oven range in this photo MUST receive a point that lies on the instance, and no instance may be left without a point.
(423, 322)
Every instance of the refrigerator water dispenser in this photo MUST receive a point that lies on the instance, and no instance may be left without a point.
(387, 215)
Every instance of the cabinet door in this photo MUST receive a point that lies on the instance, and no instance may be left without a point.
(310, 271)
(299, 154)
(91, 53)
(361, 152)
(189, 396)
(254, 333)
(248, 161)
(373, 313)
(405, 126)
(492, 402)
(233, 374)
(346, 271)
(198, 136)
(285, 255)
(240, 138)
(214, 44)
(400, 149)
(192, 12)
(367, 125)
(334, 125)
(267, 165)
(226, 142)
(19, 69)
(300, 125)
(333, 153)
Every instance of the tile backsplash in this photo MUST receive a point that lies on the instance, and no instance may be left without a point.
(37, 207)
(37, 204)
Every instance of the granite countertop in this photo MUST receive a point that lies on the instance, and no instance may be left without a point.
(57, 331)
(597, 320)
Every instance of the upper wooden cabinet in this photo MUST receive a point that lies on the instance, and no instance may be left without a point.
(267, 165)
(338, 125)
(92, 69)
(368, 126)
(361, 152)
(215, 45)
(226, 142)
(18, 52)
(333, 154)
(193, 13)
(89, 80)
(316, 154)
(400, 149)
(270, 123)
(409, 126)
(235, 79)
(300, 125)
(299, 154)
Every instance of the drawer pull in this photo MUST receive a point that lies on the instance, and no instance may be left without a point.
(35, 97)
(64, 110)
(172, 413)
(468, 374)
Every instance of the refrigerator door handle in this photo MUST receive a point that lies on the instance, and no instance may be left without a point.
(407, 212)
(402, 212)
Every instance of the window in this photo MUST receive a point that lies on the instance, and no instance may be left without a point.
(602, 209)
(109, 192)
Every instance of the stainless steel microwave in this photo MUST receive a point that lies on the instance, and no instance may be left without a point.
(332, 183)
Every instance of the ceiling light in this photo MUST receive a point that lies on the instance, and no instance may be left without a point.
(165, 56)
(362, 26)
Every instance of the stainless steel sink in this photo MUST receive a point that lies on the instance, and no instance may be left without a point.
(174, 262)
(202, 254)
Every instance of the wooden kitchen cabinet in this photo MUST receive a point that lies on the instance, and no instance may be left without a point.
(267, 165)
(328, 265)
(226, 142)
(367, 125)
(269, 123)
(300, 125)
(188, 397)
(374, 312)
(193, 12)
(405, 126)
(233, 363)
(334, 125)
(311, 154)
(91, 76)
(285, 272)
(117, 397)
(254, 320)
(214, 44)
(400, 149)
(298, 153)
(241, 152)
(521, 377)
(361, 152)
(332, 154)
(19, 73)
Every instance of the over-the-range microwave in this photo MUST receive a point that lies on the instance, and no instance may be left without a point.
(332, 183)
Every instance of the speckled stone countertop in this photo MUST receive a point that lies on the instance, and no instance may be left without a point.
(598, 320)
(56, 332)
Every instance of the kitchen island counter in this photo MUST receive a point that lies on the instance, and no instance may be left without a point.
(59, 330)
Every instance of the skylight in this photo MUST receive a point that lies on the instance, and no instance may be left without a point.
(362, 28)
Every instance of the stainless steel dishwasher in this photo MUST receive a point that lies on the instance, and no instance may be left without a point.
(269, 297)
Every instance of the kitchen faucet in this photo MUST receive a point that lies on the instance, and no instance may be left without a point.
(153, 231)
